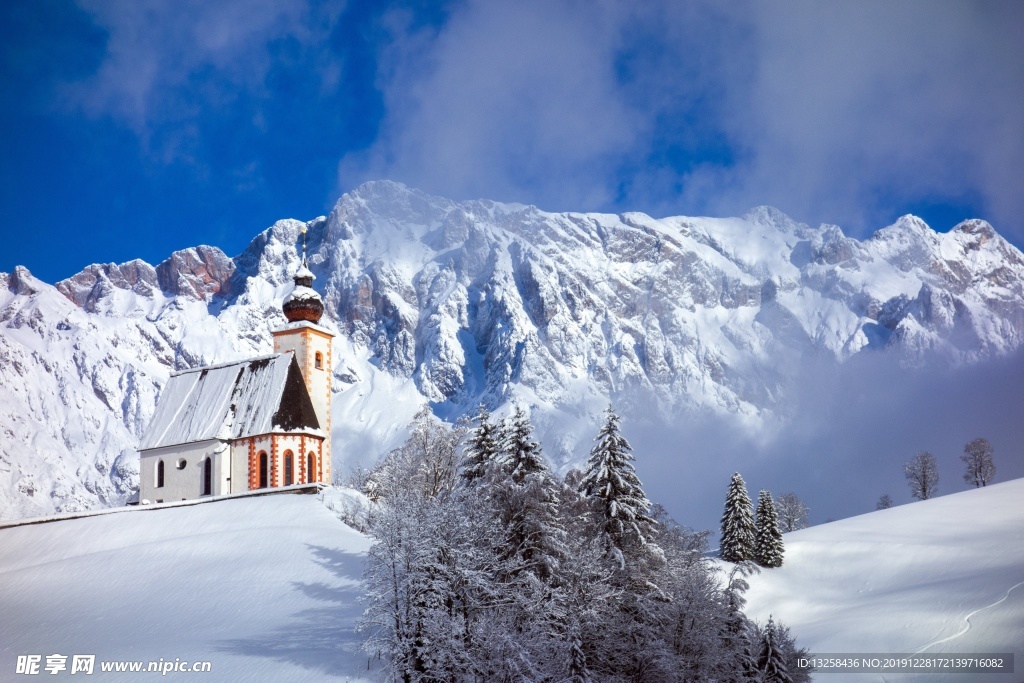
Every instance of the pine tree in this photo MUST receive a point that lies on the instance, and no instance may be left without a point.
(738, 530)
(623, 510)
(771, 662)
(528, 501)
(522, 455)
(482, 448)
(884, 502)
(768, 548)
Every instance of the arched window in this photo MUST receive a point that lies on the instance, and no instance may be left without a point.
(311, 467)
(160, 474)
(207, 477)
(263, 470)
(318, 361)
(289, 468)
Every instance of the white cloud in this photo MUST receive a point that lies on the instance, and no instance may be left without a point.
(855, 107)
(169, 64)
(510, 100)
(835, 112)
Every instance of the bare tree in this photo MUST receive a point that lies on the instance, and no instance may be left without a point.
(978, 460)
(792, 512)
(922, 475)
(884, 503)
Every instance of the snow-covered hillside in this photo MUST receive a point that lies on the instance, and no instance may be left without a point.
(457, 303)
(264, 588)
(267, 588)
(944, 575)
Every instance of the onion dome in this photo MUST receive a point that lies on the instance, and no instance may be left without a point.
(303, 303)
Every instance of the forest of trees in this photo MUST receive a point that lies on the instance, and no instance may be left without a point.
(488, 567)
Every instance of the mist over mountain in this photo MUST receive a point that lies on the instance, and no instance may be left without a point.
(758, 343)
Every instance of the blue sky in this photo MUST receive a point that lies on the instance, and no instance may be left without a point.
(135, 127)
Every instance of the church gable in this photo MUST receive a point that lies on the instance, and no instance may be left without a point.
(295, 410)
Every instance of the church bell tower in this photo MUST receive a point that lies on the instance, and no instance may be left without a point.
(312, 346)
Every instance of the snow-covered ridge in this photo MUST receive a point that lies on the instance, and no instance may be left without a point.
(461, 302)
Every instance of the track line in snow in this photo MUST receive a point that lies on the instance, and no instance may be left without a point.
(967, 619)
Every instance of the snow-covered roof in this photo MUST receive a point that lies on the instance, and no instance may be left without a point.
(297, 324)
(232, 401)
(304, 271)
(302, 293)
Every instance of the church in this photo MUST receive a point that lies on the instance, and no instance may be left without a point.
(258, 423)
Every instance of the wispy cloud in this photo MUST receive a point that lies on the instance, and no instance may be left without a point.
(171, 70)
(837, 113)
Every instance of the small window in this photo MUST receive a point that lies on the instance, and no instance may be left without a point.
(181, 463)
(160, 474)
(207, 477)
(318, 361)
(289, 468)
(310, 468)
(263, 470)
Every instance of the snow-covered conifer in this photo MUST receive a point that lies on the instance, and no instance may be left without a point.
(884, 502)
(738, 530)
(527, 499)
(977, 458)
(482, 447)
(611, 481)
(522, 453)
(771, 662)
(768, 548)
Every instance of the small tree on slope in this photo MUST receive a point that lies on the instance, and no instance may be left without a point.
(977, 457)
(768, 548)
(738, 531)
(622, 507)
(922, 475)
(771, 662)
(792, 512)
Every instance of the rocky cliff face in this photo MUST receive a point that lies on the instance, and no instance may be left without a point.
(462, 303)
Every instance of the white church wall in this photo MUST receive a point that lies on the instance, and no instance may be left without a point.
(183, 471)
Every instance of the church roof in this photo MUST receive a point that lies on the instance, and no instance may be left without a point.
(232, 401)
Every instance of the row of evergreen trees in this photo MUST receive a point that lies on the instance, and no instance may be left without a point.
(748, 536)
(486, 567)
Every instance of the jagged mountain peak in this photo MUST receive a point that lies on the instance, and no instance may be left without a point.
(458, 303)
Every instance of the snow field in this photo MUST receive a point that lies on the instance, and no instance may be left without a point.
(944, 575)
(265, 588)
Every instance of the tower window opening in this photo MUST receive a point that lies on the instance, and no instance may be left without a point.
(318, 361)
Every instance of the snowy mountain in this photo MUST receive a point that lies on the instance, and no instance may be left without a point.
(936, 577)
(458, 303)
